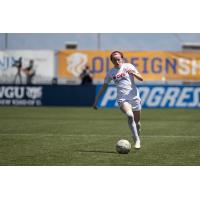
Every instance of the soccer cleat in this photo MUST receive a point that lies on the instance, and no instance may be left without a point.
(137, 145)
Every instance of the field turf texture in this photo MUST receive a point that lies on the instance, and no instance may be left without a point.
(63, 136)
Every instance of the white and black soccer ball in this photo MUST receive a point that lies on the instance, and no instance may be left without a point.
(123, 146)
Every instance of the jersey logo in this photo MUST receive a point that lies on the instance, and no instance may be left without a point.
(119, 76)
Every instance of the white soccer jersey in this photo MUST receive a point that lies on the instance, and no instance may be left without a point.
(126, 88)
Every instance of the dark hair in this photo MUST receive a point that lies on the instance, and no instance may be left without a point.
(114, 52)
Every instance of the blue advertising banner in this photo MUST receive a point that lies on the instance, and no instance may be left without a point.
(18, 95)
(153, 96)
(157, 96)
(46, 95)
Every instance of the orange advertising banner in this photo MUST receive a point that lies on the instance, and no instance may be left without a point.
(153, 65)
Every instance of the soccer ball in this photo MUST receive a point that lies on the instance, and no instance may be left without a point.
(123, 146)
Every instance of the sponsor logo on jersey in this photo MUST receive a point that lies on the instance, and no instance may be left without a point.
(120, 75)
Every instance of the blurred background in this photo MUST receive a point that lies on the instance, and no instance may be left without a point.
(99, 41)
(40, 65)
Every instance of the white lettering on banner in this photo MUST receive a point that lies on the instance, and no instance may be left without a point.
(196, 98)
(9, 92)
(34, 92)
(195, 67)
(18, 92)
(161, 96)
(5, 101)
(12, 92)
(144, 91)
(155, 96)
(110, 95)
(1, 92)
(185, 66)
(22, 102)
(183, 96)
(171, 96)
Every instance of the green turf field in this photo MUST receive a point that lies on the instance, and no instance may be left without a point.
(85, 137)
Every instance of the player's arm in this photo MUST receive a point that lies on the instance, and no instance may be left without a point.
(136, 74)
(101, 91)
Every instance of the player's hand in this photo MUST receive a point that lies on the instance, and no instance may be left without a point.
(136, 74)
(95, 106)
(131, 72)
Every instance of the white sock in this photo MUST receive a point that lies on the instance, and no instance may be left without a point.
(138, 125)
(132, 125)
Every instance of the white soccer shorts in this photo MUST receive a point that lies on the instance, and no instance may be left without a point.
(135, 103)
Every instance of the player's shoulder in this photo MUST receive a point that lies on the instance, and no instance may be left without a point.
(110, 72)
(128, 65)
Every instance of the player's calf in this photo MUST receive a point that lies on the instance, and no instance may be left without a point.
(132, 126)
(138, 125)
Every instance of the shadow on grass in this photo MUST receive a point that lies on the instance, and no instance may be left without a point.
(96, 151)
(100, 151)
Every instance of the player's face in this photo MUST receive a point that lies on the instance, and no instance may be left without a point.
(117, 60)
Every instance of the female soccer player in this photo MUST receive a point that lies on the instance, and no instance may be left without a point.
(127, 93)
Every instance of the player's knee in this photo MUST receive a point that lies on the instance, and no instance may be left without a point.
(130, 115)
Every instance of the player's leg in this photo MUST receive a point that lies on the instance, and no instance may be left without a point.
(137, 117)
(136, 107)
(127, 110)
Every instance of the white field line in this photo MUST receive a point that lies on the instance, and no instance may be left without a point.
(95, 135)
(171, 136)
